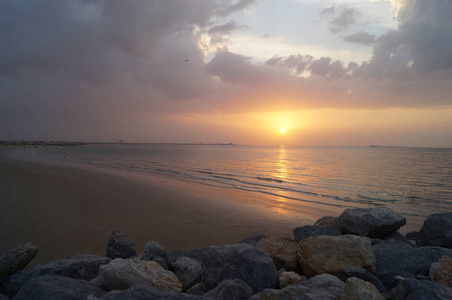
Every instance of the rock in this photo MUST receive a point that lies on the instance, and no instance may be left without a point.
(197, 289)
(412, 235)
(16, 259)
(79, 266)
(153, 249)
(288, 278)
(284, 252)
(120, 246)
(328, 221)
(141, 292)
(330, 254)
(396, 236)
(349, 272)
(161, 261)
(397, 257)
(414, 289)
(194, 254)
(231, 289)
(370, 222)
(435, 253)
(253, 240)
(358, 289)
(238, 261)
(441, 272)
(293, 292)
(189, 271)
(301, 233)
(3, 297)
(326, 283)
(58, 287)
(121, 274)
(436, 231)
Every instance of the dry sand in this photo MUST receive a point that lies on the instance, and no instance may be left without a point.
(67, 208)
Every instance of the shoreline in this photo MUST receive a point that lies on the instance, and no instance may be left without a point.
(67, 208)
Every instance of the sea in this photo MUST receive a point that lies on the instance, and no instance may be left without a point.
(412, 181)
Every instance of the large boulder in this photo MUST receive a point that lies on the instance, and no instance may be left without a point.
(420, 290)
(284, 252)
(330, 254)
(301, 233)
(395, 257)
(231, 289)
(238, 261)
(195, 254)
(293, 292)
(58, 287)
(328, 221)
(79, 266)
(435, 253)
(141, 292)
(189, 271)
(358, 289)
(153, 249)
(349, 272)
(436, 231)
(441, 271)
(120, 274)
(325, 282)
(16, 259)
(120, 246)
(371, 222)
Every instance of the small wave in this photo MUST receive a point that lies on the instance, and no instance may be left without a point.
(375, 198)
(270, 179)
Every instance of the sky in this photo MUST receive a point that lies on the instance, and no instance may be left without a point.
(331, 73)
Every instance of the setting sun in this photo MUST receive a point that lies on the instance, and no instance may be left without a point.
(282, 130)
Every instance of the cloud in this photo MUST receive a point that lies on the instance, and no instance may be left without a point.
(340, 17)
(225, 28)
(361, 37)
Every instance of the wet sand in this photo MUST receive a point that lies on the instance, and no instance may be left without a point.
(68, 208)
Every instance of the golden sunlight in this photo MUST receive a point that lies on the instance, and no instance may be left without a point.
(282, 130)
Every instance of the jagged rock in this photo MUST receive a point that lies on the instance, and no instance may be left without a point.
(328, 221)
(121, 274)
(161, 261)
(284, 252)
(189, 271)
(120, 246)
(435, 253)
(441, 271)
(326, 283)
(349, 272)
(370, 222)
(436, 231)
(293, 292)
(238, 261)
(231, 289)
(195, 254)
(358, 289)
(58, 287)
(153, 249)
(253, 240)
(330, 254)
(16, 259)
(79, 266)
(396, 257)
(288, 278)
(141, 292)
(301, 233)
(197, 289)
(414, 289)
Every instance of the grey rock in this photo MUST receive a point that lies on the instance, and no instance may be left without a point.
(16, 259)
(412, 235)
(120, 274)
(120, 246)
(414, 289)
(58, 287)
(435, 253)
(370, 222)
(195, 254)
(231, 289)
(301, 233)
(441, 271)
(153, 249)
(436, 231)
(288, 278)
(358, 289)
(161, 261)
(238, 261)
(395, 236)
(396, 257)
(149, 293)
(253, 240)
(328, 221)
(326, 283)
(189, 271)
(3, 297)
(197, 289)
(349, 272)
(79, 266)
(293, 292)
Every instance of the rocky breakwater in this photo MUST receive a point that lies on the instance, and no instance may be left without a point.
(357, 255)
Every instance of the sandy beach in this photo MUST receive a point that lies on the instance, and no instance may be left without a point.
(70, 208)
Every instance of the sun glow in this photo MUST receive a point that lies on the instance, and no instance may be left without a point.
(282, 130)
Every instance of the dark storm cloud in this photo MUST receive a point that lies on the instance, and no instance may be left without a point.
(362, 37)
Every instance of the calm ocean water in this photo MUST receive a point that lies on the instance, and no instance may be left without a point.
(414, 181)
